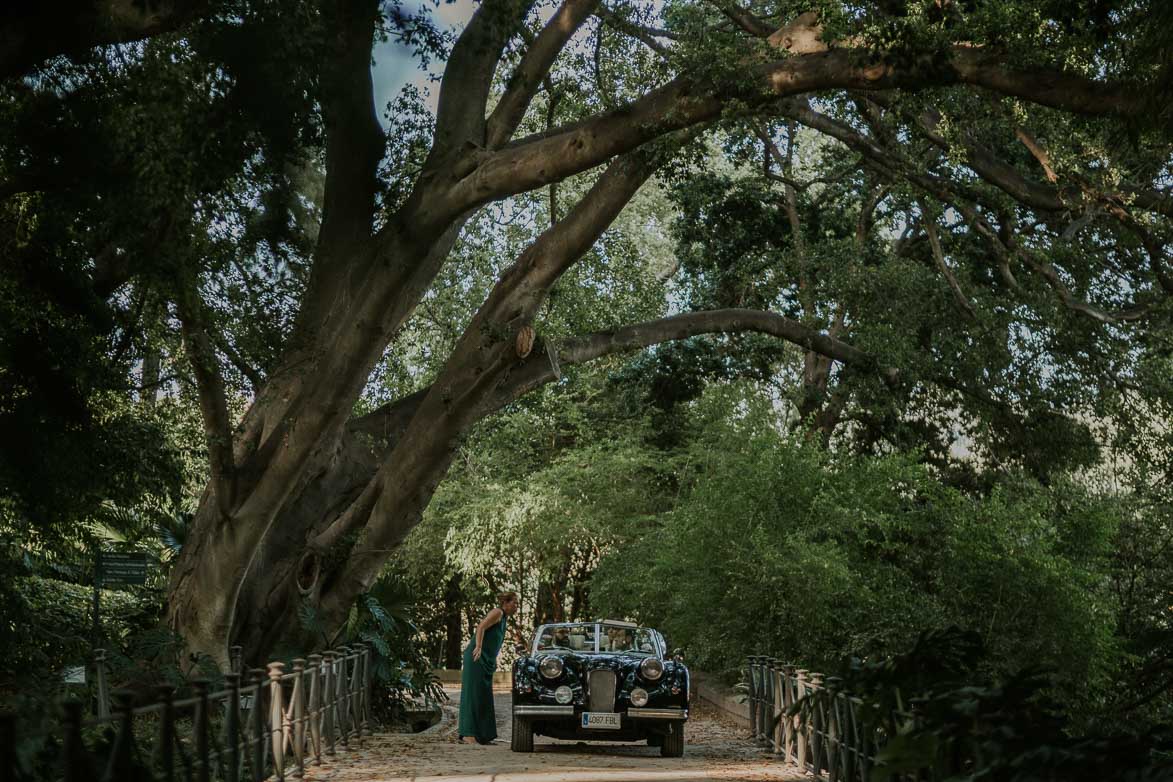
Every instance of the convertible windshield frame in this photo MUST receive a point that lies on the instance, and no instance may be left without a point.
(598, 640)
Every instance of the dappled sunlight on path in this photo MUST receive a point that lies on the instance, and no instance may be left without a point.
(716, 750)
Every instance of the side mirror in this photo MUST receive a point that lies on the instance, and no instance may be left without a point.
(678, 655)
(520, 648)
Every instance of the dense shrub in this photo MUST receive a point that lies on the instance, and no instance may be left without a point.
(939, 717)
(46, 626)
(780, 546)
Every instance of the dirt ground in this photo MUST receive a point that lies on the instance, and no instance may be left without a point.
(716, 749)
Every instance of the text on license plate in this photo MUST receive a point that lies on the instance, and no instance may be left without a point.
(600, 719)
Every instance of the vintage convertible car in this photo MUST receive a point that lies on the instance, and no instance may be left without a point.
(604, 680)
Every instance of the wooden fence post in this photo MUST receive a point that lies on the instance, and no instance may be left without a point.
(73, 751)
(341, 682)
(834, 734)
(297, 703)
(257, 718)
(862, 742)
(328, 700)
(277, 719)
(818, 723)
(771, 664)
(103, 685)
(203, 756)
(778, 711)
(803, 726)
(788, 720)
(368, 673)
(120, 763)
(232, 728)
(315, 707)
(167, 732)
(751, 674)
(356, 693)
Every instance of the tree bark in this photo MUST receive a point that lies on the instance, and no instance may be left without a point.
(307, 505)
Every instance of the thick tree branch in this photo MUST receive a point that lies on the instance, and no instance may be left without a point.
(561, 245)
(1037, 195)
(691, 324)
(538, 160)
(544, 366)
(534, 65)
(468, 74)
(479, 357)
(945, 192)
(32, 32)
(1047, 87)
(355, 144)
(213, 401)
(354, 138)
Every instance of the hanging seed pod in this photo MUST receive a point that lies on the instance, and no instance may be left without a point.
(525, 341)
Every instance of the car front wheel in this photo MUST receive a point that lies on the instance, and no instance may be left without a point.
(522, 739)
(673, 746)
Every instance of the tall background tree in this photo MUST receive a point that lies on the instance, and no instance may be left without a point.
(970, 237)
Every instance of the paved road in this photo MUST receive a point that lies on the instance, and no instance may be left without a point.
(716, 750)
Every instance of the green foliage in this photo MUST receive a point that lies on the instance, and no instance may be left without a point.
(779, 545)
(45, 626)
(382, 618)
(969, 492)
(935, 713)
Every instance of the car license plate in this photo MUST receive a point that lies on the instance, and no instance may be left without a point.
(601, 719)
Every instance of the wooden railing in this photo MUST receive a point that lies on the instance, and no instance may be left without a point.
(809, 721)
(265, 723)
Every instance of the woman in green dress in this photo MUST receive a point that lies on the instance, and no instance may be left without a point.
(478, 723)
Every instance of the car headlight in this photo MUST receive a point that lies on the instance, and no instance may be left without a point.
(564, 695)
(651, 669)
(551, 667)
(639, 697)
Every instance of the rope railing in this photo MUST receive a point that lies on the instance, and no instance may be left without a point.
(809, 721)
(265, 724)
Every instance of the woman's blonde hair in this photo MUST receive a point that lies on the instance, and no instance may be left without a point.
(506, 597)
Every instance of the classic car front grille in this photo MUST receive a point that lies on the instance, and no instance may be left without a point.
(601, 689)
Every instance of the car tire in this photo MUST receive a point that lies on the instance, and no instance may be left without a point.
(522, 739)
(673, 746)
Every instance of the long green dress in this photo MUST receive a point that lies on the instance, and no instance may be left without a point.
(476, 686)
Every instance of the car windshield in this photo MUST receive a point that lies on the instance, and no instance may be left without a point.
(581, 637)
(568, 637)
(623, 638)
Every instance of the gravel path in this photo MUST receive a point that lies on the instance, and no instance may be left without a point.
(716, 749)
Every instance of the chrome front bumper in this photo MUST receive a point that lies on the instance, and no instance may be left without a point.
(568, 711)
(657, 714)
(543, 711)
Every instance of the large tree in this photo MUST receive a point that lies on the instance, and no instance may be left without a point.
(307, 500)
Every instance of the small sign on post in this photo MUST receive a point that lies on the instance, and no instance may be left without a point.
(74, 674)
(119, 568)
(114, 568)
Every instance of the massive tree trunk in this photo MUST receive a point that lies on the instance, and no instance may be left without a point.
(305, 504)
